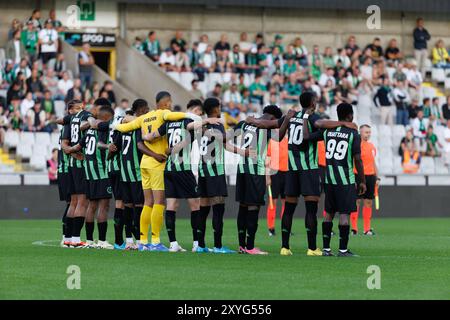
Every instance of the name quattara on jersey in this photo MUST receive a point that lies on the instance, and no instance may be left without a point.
(341, 144)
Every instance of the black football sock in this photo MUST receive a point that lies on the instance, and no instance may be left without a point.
(77, 226)
(89, 226)
(118, 226)
(64, 219)
(194, 220)
(343, 237)
(102, 228)
(327, 226)
(311, 223)
(137, 222)
(286, 223)
(242, 225)
(69, 227)
(252, 227)
(217, 222)
(202, 217)
(128, 221)
(170, 225)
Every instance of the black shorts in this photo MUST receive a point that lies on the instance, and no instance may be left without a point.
(99, 189)
(47, 56)
(64, 186)
(77, 181)
(132, 192)
(209, 187)
(278, 184)
(340, 198)
(323, 174)
(370, 184)
(114, 177)
(302, 182)
(250, 189)
(180, 185)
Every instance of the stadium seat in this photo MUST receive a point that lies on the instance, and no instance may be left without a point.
(203, 87)
(384, 130)
(42, 138)
(438, 75)
(24, 150)
(386, 166)
(38, 161)
(12, 138)
(27, 138)
(174, 75)
(60, 107)
(440, 167)
(213, 79)
(41, 150)
(226, 77)
(54, 138)
(385, 142)
(398, 130)
(186, 79)
(10, 179)
(427, 166)
(447, 83)
(36, 179)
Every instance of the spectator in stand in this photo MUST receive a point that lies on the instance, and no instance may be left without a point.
(278, 43)
(194, 56)
(244, 45)
(52, 167)
(48, 105)
(167, 60)
(15, 50)
(376, 49)
(411, 159)
(203, 43)
(48, 40)
(36, 19)
(35, 119)
(257, 90)
(291, 90)
(413, 109)
(57, 24)
(15, 121)
(440, 56)
(26, 104)
(181, 59)
(34, 84)
(420, 125)
(151, 47)
(59, 65)
(108, 89)
(447, 144)
(23, 68)
(382, 99)
(446, 109)
(399, 75)
(64, 85)
(15, 25)
(207, 62)
(426, 107)
(421, 37)
(178, 39)
(401, 99)
(342, 57)
(328, 61)
(392, 52)
(316, 55)
(14, 91)
(222, 46)
(138, 45)
(435, 113)
(290, 66)
(50, 81)
(327, 76)
(414, 80)
(29, 38)
(75, 91)
(93, 92)
(351, 46)
(195, 91)
(216, 92)
(408, 138)
(232, 98)
(301, 52)
(237, 60)
(432, 143)
(85, 65)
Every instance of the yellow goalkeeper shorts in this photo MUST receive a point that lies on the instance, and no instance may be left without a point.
(152, 179)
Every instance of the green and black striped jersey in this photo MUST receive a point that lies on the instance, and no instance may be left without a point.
(95, 164)
(251, 137)
(63, 159)
(76, 135)
(302, 154)
(211, 150)
(129, 155)
(114, 135)
(177, 134)
(341, 144)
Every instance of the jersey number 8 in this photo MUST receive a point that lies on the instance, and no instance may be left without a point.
(336, 150)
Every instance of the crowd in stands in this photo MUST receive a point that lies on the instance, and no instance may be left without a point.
(34, 75)
(282, 70)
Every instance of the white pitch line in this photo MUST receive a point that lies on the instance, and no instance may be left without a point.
(45, 243)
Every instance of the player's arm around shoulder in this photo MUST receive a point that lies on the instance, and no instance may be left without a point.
(133, 124)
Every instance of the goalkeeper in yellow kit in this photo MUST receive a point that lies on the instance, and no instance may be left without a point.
(152, 168)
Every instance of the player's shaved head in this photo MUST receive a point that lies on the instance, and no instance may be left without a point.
(139, 107)
(211, 105)
(273, 110)
(345, 112)
(101, 102)
(74, 104)
(307, 100)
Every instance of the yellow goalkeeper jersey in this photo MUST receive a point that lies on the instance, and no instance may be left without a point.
(150, 122)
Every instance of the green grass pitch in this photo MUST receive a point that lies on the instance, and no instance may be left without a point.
(413, 256)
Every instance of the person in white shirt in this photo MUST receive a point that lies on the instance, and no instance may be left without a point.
(244, 45)
(48, 39)
(342, 56)
(420, 125)
(232, 96)
(14, 49)
(447, 144)
(415, 80)
(64, 85)
(203, 44)
(23, 67)
(167, 60)
(26, 104)
(328, 75)
(208, 59)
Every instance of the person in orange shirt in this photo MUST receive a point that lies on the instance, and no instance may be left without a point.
(411, 159)
(368, 154)
(277, 162)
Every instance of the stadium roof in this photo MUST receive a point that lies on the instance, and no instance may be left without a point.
(441, 6)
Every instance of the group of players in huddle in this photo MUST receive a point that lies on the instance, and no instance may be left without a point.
(143, 160)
